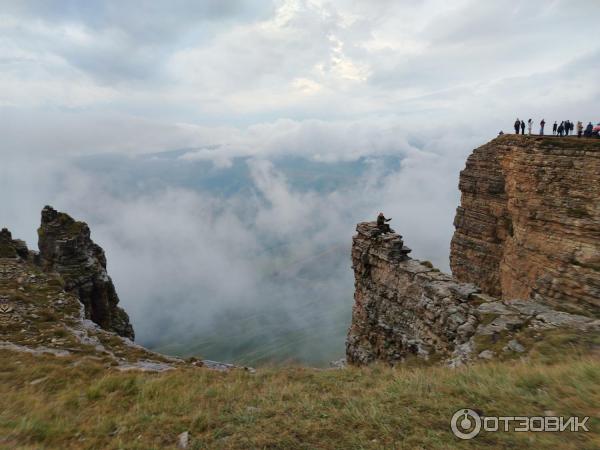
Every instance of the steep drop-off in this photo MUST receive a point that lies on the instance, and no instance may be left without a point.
(406, 309)
(66, 247)
(62, 302)
(528, 225)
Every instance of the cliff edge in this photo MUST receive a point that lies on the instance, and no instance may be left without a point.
(528, 225)
(62, 302)
(67, 248)
(525, 259)
(405, 309)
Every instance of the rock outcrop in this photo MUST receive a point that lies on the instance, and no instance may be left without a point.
(525, 258)
(38, 316)
(67, 248)
(528, 225)
(42, 313)
(12, 248)
(401, 306)
(48, 298)
(405, 308)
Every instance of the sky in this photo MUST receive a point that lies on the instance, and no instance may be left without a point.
(331, 82)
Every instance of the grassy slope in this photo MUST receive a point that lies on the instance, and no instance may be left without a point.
(89, 406)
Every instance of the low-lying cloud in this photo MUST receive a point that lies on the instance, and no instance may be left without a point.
(192, 265)
(293, 120)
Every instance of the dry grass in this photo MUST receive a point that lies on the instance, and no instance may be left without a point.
(90, 406)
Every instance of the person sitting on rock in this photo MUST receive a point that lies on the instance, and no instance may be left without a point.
(382, 225)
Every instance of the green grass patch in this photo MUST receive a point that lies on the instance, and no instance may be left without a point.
(90, 406)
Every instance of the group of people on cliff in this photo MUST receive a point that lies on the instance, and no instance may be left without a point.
(565, 128)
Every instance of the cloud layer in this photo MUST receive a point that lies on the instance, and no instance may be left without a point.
(264, 82)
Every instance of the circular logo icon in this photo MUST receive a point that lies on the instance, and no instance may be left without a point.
(465, 424)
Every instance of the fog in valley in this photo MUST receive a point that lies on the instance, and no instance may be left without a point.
(224, 162)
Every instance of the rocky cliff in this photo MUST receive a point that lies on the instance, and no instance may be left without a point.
(67, 248)
(405, 309)
(47, 298)
(62, 302)
(528, 225)
(525, 258)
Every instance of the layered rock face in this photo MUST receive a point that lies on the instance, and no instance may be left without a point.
(525, 258)
(67, 248)
(401, 307)
(528, 225)
(404, 308)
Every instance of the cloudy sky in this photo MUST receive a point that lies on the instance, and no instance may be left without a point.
(137, 75)
(331, 82)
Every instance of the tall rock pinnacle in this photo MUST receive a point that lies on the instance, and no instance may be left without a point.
(67, 248)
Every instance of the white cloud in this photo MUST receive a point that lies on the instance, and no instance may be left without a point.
(248, 62)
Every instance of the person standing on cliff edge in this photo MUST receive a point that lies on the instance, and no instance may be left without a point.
(522, 127)
(529, 126)
(382, 225)
(554, 128)
(542, 124)
(517, 125)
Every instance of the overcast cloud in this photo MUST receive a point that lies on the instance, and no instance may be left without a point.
(423, 82)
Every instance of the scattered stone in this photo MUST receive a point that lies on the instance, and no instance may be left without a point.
(183, 440)
(486, 354)
(338, 364)
(145, 366)
(515, 346)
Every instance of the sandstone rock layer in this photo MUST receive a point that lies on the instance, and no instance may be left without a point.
(528, 226)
